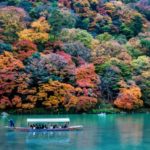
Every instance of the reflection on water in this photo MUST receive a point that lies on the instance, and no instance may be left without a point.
(113, 132)
(130, 130)
(34, 137)
(48, 137)
(26, 140)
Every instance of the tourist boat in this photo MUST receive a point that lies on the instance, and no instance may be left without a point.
(49, 123)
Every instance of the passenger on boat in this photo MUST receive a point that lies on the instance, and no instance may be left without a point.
(51, 126)
(11, 123)
(55, 126)
(65, 125)
(40, 127)
(31, 126)
(43, 126)
(37, 126)
(34, 126)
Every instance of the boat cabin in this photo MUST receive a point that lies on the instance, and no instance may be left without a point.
(48, 123)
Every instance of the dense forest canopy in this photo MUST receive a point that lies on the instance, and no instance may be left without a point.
(74, 55)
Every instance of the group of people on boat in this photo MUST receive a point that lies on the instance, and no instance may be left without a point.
(38, 126)
(43, 126)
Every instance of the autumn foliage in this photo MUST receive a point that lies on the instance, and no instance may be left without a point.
(24, 49)
(9, 67)
(74, 55)
(13, 21)
(56, 94)
(86, 76)
(129, 98)
(37, 33)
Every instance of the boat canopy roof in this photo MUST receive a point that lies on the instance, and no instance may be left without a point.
(47, 120)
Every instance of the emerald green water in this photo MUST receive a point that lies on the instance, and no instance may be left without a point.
(111, 132)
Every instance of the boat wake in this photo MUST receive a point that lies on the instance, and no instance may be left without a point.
(102, 115)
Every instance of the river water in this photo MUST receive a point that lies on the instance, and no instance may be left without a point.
(110, 132)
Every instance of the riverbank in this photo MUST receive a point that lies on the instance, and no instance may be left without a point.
(107, 110)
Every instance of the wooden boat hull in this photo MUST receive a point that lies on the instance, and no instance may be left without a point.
(26, 129)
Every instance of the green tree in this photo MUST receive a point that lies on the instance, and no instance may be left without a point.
(133, 28)
(141, 68)
(71, 35)
(146, 44)
(111, 73)
(104, 37)
(141, 64)
(109, 83)
(59, 20)
(135, 53)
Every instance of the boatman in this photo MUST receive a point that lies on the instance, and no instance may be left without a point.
(11, 123)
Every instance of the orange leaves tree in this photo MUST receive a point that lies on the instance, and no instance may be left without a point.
(38, 31)
(129, 98)
(14, 86)
(56, 96)
(9, 67)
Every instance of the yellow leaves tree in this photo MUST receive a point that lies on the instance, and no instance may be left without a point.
(28, 106)
(38, 31)
(110, 8)
(54, 94)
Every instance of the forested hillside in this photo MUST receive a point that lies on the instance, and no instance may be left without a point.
(74, 55)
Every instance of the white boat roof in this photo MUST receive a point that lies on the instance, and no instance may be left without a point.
(48, 120)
